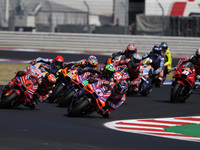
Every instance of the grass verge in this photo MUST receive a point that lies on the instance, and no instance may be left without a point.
(8, 70)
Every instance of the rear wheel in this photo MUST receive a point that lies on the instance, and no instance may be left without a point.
(79, 108)
(56, 91)
(67, 99)
(5, 101)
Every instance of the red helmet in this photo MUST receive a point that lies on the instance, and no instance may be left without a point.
(130, 50)
(92, 61)
(50, 79)
(58, 61)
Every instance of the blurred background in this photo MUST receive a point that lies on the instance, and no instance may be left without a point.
(131, 17)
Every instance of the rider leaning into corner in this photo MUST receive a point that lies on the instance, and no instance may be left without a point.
(157, 61)
(117, 89)
(107, 76)
(90, 62)
(53, 64)
(125, 55)
(167, 55)
(135, 70)
(195, 60)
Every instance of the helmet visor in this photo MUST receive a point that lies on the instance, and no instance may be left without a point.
(157, 52)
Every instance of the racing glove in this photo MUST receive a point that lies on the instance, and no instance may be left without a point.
(32, 62)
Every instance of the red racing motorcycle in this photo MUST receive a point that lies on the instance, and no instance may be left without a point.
(184, 82)
(21, 92)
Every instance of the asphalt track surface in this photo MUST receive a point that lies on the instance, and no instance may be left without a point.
(49, 128)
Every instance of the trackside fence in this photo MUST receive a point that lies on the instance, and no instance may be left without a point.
(105, 43)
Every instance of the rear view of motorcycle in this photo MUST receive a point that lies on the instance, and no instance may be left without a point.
(184, 82)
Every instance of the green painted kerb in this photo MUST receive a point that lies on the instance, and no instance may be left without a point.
(191, 129)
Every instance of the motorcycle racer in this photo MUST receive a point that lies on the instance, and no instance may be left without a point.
(45, 86)
(167, 57)
(195, 60)
(53, 64)
(122, 57)
(135, 70)
(157, 62)
(32, 103)
(116, 99)
(90, 62)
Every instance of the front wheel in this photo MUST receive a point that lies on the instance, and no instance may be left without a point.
(179, 93)
(79, 108)
(56, 91)
(6, 100)
(67, 99)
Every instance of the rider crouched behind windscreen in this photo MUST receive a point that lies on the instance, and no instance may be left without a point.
(117, 88)
(195, 60)
(157, 63)
(45, 84)
(123, 57)
(53, 64)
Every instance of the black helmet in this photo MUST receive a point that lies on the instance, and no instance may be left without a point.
(164, 46)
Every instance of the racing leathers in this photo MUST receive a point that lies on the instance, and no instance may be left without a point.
(82, 63)
(195, 63)
(168, 60)
(135, 74)
(157, 64)
(11, 84)
(115, 100)
(48, 62)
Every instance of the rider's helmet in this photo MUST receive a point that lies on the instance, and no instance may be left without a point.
(135, 60)
(156, 50)
(164, 46)
(108, 70)
(121, 87)
(50, 80)
(197, 55)
(130, 50)
(58, 61)
(92, 61)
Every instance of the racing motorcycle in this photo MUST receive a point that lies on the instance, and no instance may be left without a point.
(22, 92)
(23, 87)
(63, 83)
(121, 73)
(184, 82)
(79, 81)
(94, 99)
(146, 84)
